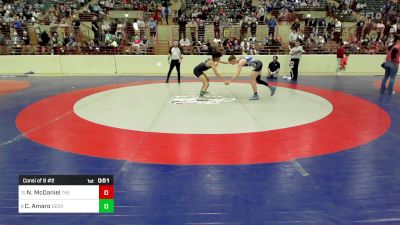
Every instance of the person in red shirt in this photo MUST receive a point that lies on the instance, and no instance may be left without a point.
(156, 16)
(391, 66)
(339, 56)
(343, 63)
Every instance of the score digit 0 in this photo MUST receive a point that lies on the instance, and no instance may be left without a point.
(106, 191)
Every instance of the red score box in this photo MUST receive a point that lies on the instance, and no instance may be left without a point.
(106, 191)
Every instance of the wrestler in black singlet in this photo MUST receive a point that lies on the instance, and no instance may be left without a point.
(199, 69)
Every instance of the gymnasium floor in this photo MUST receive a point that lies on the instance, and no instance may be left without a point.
(324, 151)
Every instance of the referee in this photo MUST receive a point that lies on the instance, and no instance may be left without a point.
(174, 59)
(295, 53)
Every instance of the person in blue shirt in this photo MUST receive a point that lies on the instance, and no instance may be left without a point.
(271, 27)
(255, 75)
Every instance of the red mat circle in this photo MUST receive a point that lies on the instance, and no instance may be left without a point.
(53, 123)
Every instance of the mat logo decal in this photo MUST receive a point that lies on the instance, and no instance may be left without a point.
(208, 99)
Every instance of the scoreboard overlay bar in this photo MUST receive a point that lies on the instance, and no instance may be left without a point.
(66, 194)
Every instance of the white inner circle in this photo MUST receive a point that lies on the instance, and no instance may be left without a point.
(149, 108)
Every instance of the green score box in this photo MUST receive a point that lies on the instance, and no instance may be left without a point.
(106, 206)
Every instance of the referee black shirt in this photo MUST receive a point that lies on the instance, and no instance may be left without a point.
(274, 65)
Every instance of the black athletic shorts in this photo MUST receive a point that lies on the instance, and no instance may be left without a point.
(199, 69)
(257, 66)
(197, 72)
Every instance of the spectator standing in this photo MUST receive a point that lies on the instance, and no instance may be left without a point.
(135, 26)
(343, 64)
(321, 27)
(253, 27)
(338, 30)
(391, 67)
(261, 13)
(201, 29)
(271, 27)
(165, 13)
(217, 28)
(386, 31)
(193, 29)
(331, 26)
(369, 25)
(95, 28)
(339, 55)
(141, 25)
(182, 26)
(159, 9)
(156, 15)
(243, 28)
(359, 28)
(226, 24)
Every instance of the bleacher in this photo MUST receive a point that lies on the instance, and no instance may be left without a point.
(88, 17)
(321, 7)
(230, 9)
(125, 47)
(375, 5)
(47, 50)
(127, 5)
(47, 4)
